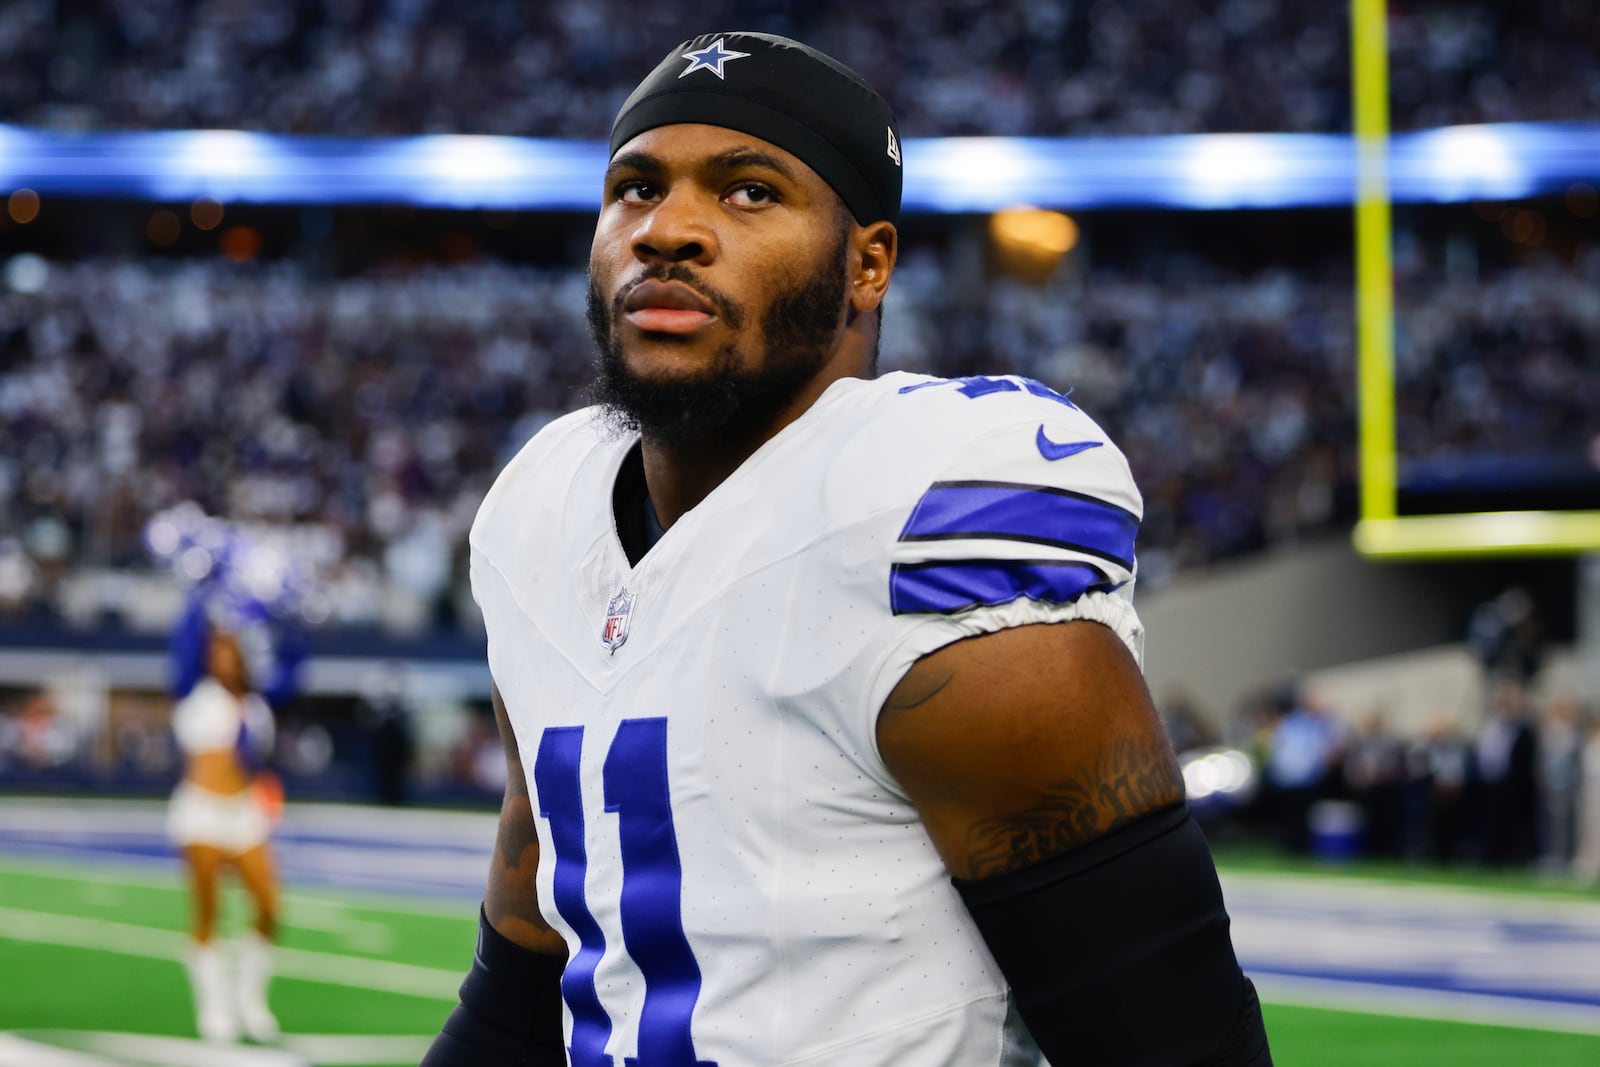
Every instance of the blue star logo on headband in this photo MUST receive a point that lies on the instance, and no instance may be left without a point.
(712, 57)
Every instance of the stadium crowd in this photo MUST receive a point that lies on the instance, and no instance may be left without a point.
(376, 409)
(954, 67)
(1497, 369)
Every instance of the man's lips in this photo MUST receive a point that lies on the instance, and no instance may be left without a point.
(666, 307)
(668, 320)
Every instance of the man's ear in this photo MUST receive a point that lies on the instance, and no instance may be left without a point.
(874, 249)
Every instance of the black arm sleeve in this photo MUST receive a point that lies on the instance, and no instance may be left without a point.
(1118, 952)
(510, 1010)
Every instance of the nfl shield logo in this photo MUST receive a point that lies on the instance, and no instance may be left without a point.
(618, 609)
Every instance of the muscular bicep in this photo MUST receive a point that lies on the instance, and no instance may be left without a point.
(511, 898)
(1025, 743)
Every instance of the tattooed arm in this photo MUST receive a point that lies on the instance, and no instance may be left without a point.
(511, 899)
(1037, 762)
(1022, 744)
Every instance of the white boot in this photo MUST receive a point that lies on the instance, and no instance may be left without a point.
(213, 1002)
(255, 971)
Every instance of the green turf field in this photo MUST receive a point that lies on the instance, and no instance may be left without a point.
(89, 950)
(97, 949)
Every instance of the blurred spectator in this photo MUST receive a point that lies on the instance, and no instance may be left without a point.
(479, 759)
(1560, 746)
(1507, 802)
(145, 747)
(305, 747)
(1374, 772)
(1186, 726)
(18, 578)
(41, 738)
(1302, 762)
(384, 717)
(1586, 862)
(1505, 636)
(1439, 768)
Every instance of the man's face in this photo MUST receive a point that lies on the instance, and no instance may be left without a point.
(717, 281)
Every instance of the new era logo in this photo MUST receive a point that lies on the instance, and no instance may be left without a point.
(894, 146)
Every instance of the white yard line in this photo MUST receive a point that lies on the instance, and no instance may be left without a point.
(160, 1051)
(325, 967)
(20, 1052)
(339, 1050)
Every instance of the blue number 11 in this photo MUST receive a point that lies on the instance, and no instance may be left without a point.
(634, 779)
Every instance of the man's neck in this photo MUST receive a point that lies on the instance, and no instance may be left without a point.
(681, 474)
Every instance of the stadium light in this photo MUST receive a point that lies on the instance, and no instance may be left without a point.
(943, 175)
(1473, 162)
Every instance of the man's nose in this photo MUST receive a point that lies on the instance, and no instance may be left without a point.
(676, 231)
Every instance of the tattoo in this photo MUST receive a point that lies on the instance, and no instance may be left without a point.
(517, 834)
(1131, 778)
(921, 691)
(511, 898)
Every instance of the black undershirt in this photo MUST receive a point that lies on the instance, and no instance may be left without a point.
(638, 528)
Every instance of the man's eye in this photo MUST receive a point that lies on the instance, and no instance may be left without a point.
(751, 195)
(635, 192)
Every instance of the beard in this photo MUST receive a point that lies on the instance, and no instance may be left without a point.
(730, 397)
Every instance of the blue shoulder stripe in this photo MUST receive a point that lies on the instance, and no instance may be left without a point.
(1009, 511)
(945, 586)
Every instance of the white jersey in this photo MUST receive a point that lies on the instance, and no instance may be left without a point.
(738, 877)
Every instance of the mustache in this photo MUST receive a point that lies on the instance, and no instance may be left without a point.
(729, 311)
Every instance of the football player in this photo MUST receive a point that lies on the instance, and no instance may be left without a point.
(820, 691)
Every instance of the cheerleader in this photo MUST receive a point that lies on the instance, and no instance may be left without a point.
(218, 818)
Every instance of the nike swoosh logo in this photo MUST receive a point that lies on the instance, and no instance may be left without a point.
(1053, 451)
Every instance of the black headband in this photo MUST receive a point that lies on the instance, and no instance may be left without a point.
(782, 91)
